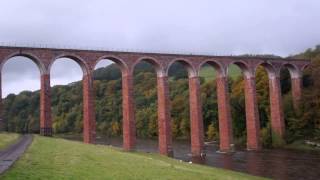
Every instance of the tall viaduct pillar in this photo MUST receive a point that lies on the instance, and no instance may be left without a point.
(252, 115)
(164, 119)
(196, 125)
(89, 123)
(225, 124)
(45, 106)
(128, 122)
(277, 121)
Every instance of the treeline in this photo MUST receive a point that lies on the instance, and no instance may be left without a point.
(21, 112)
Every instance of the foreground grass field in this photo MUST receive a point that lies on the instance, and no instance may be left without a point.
(6, 139)
(53, 158)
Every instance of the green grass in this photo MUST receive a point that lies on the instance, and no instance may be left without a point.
(209, 74)
(54, 158)
(6, 139)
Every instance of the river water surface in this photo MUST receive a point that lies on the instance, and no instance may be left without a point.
(273, 163)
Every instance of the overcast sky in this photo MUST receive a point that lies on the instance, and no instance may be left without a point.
(281, 27)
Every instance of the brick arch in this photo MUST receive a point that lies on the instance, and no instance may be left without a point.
(215, 64)
(268, 67)
(155, 63)
(296, 82)
(120, 63)
(186, 63)
(244, 66)
(293, 70)
(81, 62)
(30, 56)
(304, 67)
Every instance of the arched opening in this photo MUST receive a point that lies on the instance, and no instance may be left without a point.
(179, 73)
(262, 74)
(145, 98)
(66, 75)
(235, 74)
(209, 102)
(20, 93)
(308, 125)
(292, 114)
(209, 72)
(108, 101)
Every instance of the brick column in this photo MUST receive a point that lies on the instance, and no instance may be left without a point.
(196, 125)
(45, 106)
(89, 122)
(252, 115)
(225, 124)
(277, 121)
(296, 86)
(128, 122)
(164, 120)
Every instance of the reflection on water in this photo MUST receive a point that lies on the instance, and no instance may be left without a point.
(274, 163)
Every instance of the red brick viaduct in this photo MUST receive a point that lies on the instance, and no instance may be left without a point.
(87, 59)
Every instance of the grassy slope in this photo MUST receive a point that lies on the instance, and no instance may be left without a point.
(52, 158)
(208, 72)
(7, 139)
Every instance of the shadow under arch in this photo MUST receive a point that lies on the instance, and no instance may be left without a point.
(30, 56)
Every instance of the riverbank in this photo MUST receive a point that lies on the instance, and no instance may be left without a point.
(302, 145)
(52, 158)
(276, 163)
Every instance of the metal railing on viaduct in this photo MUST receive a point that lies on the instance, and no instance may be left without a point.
(87, 59)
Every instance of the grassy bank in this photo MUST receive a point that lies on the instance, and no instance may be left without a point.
(6, 139)
(53, 158)
(302, 146)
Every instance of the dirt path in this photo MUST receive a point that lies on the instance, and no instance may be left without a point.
(13, 152)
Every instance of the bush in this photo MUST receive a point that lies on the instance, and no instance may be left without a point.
(277, 141)
(266, 137)
(212, 133)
